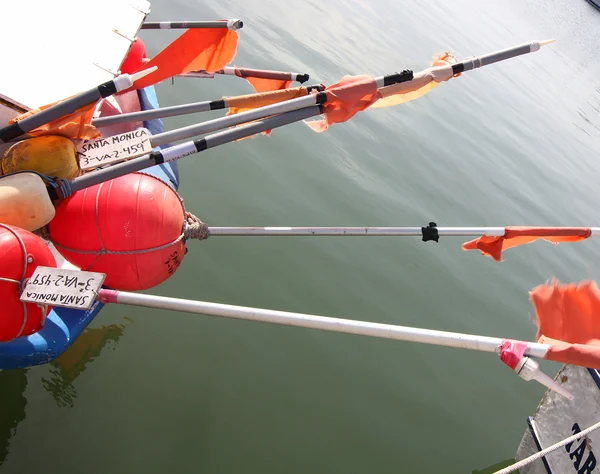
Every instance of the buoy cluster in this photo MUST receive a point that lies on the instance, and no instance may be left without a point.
(130, 228)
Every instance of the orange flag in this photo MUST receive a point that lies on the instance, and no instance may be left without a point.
(344, 99)
(492, 246)
(422, 83)
(75, 125)
(568, 319)
(243, 103)
(206, 49)
(261, 84)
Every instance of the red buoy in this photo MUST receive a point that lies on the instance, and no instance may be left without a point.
(21, 252)
(129, 228)
(133, 60)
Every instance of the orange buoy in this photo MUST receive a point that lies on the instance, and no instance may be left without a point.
(134, 58)
(129, 228)
(21, 252)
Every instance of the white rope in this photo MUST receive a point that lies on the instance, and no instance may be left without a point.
(543, 452)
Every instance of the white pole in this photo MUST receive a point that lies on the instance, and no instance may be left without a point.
(364, 231)
(353, 231)
(363, 328)
(232, 120)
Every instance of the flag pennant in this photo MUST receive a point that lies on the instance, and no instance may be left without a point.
(243, 103)
(261, 84)
(206, 49)
(345, 99)
(423, 82)
(568, 319)
(492, 246)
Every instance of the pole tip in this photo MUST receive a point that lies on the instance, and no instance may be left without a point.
(545, 42)
(235, 24)
(145, 72)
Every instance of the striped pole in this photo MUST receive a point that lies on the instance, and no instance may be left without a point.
(71, 105)
(247, 72)
(425, 232)
(187, 148)
(233, 24)
(184, 109)
(479, 61)
(261, 112)
(263, 74)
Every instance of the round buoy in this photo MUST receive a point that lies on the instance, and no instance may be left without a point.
(129, 228)
(51, 155)
(21, 252)
(134, 58)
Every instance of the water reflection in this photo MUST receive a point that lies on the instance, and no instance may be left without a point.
(58, 382)
(13, 401)
(72, 363)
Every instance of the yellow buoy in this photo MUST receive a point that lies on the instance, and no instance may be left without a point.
(51, 155)
(24, 201)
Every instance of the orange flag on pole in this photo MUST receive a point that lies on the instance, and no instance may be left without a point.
(243, 103)
(568, 319)
(206, 49)
(263, 84)
(75, 125)
(423, 82)
(344, 99)
(492, 246)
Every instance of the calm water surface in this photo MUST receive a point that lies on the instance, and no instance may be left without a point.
(515, 143)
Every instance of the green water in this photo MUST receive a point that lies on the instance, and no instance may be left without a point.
(511, 144)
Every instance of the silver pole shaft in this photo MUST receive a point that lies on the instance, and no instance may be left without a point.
(155, 113)
(352, 231)
(366, 231)
(232, 120)
(348, 326)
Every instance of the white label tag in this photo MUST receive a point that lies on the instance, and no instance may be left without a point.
(103, 151)
(62, 287)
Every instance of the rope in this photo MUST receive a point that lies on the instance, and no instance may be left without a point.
(194, 228)
(43, 232)
(61, 186)
(20, 283)
(542, 453)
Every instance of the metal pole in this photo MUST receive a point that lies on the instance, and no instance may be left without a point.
(71, 105)
(232, 120)
(353, 231)
(184, 149)
(361, 328)
(369, 231)
(479, 61)
(232, 24)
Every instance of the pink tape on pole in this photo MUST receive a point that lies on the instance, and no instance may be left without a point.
(511, 352)
(108, 296)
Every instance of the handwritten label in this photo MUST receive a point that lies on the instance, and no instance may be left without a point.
(173, 262)
(104, 151)
(63, 287)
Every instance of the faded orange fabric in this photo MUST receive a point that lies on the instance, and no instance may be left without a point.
(344, 99)
(264, 85)
(206, 49)
(423, 82)
(243, 103)
(568, 318)
(75, 125)
(261, 84)
(513, 236)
